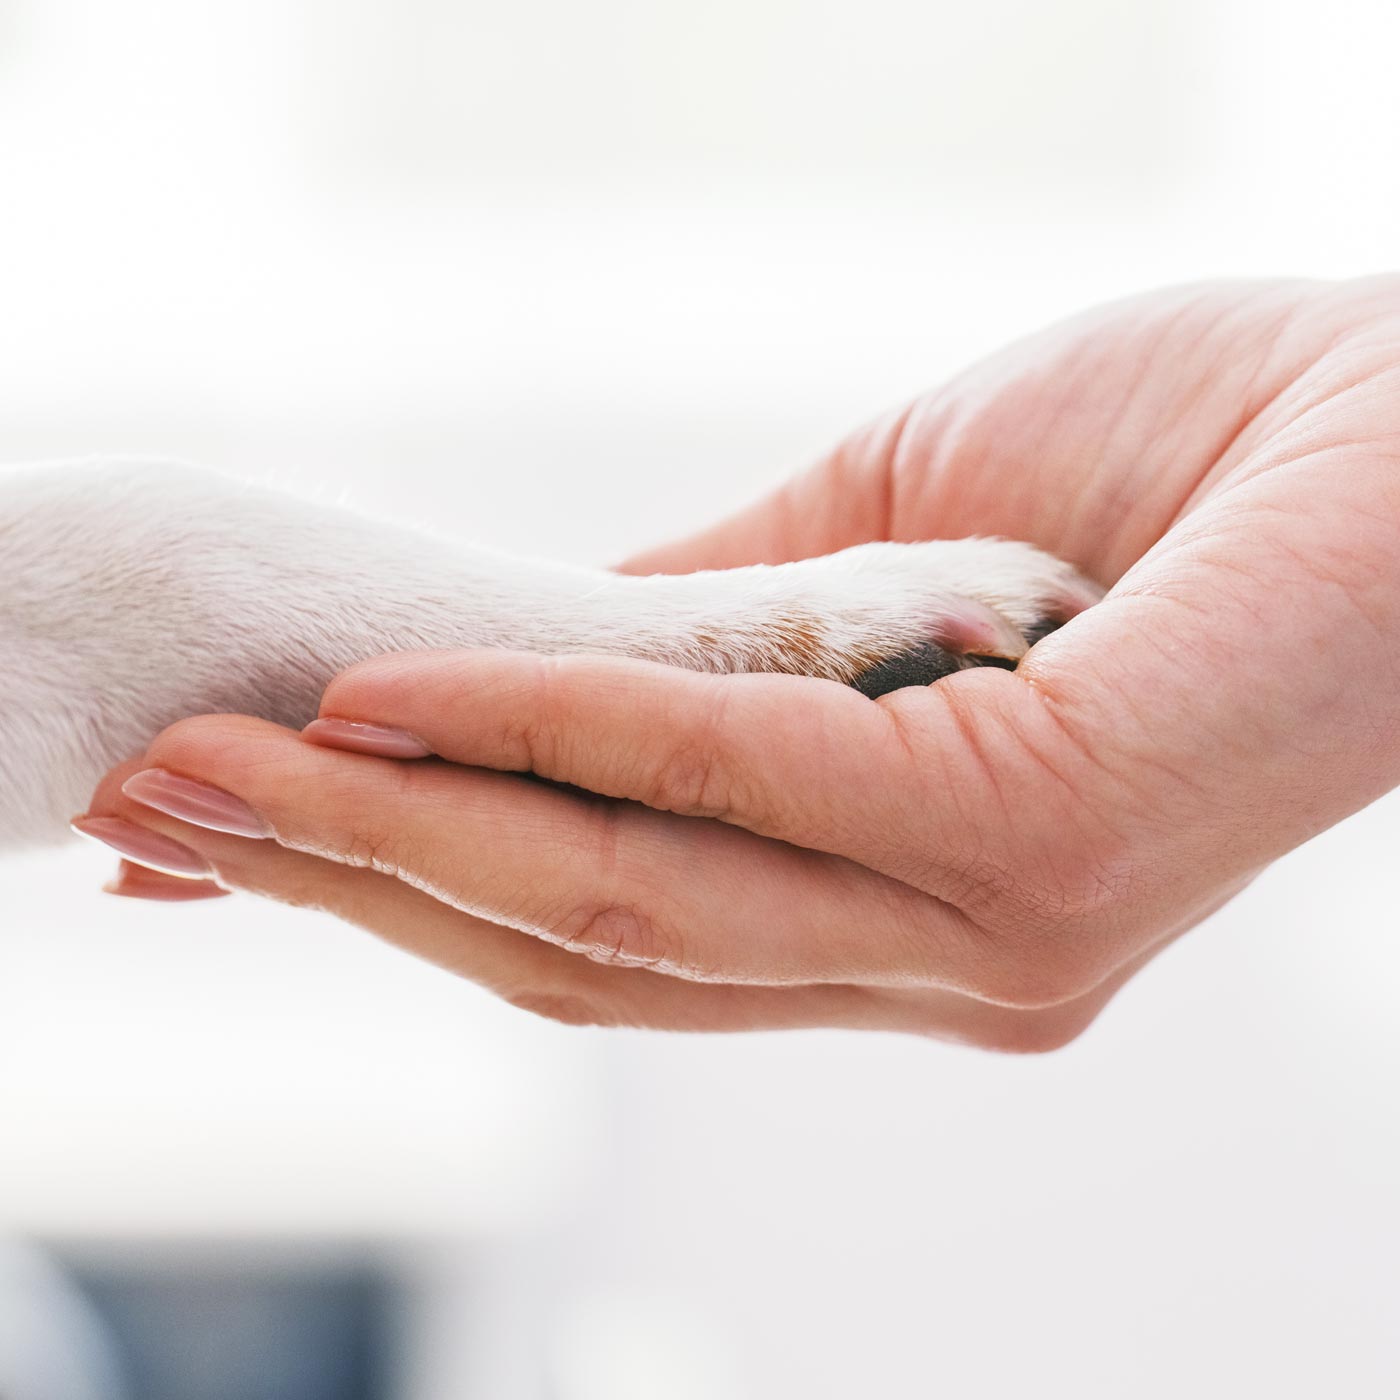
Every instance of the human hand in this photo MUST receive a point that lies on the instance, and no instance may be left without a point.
(986, 859)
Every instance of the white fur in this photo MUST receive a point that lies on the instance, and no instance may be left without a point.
(132, 595)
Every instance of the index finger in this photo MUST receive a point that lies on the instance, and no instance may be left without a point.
(805, 761)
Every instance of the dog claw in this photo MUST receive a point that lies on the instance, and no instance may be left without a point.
(1079, 596)
(973, 629)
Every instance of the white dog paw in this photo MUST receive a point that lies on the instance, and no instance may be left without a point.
(880, 617)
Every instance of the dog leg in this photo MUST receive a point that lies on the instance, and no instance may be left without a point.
(133, 596)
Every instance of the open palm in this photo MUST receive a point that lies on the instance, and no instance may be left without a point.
(988, 858)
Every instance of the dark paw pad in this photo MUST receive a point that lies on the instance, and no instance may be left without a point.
(927, 663)
(923, 665)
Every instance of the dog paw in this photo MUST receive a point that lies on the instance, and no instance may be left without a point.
(880, 617)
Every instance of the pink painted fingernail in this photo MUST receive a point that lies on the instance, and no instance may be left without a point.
(200, 804)
(144, 847)
(140, 882)
(375, 739)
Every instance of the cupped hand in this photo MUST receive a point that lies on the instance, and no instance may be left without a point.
(985, 859)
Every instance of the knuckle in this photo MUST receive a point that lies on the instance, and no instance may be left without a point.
(977, 886)
(528, 734)
(616, 934)
(693, 778)
(691, 781)
(372, 849)
(1043, 892)
(1087, 890)
(353, 824)
(528, 745)
(535, 726)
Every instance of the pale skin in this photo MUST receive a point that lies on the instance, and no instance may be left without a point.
(985, 860)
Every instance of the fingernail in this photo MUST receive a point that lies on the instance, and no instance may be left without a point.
(144, 847)
(200, 804)
(139, 882)
(375, 739)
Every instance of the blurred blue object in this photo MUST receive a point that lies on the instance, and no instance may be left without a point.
(53, 1346)
(206, 1325)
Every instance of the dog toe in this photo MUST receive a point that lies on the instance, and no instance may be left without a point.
(928, 662)
(920, 665)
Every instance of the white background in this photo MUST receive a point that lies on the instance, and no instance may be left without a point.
(581, 276)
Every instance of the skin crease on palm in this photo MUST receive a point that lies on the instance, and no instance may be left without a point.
(985, 860)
